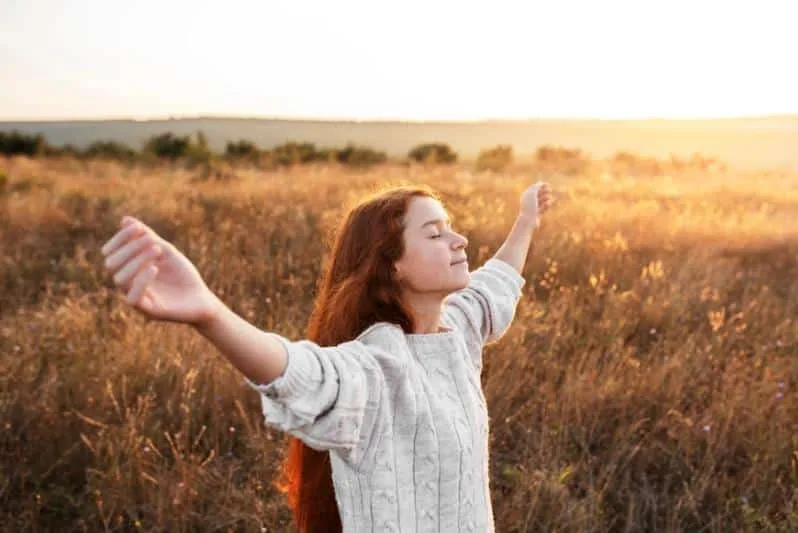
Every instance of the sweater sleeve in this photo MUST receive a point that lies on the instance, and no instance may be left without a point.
(485, 309)
(329, 397)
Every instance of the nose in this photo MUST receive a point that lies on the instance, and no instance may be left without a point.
(460, 241)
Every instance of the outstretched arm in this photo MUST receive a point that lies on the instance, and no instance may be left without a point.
(162, 284)
(327, 396)
(515, 248)
(535, 200)
(487, 306)
(257, 354)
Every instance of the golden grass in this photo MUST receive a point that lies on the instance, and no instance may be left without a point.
(648, 383)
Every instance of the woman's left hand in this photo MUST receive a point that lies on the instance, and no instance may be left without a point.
(535, 201)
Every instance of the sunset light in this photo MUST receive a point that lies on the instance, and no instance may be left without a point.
(412, 60)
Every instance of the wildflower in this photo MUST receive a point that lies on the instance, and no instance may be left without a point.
(779, 395)
(717, 319)
(706, 428)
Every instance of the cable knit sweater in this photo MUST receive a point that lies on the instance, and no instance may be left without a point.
(403, 415)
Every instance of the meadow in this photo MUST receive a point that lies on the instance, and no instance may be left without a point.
(649, 382)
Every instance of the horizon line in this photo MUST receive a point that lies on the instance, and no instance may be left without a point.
(396, 120)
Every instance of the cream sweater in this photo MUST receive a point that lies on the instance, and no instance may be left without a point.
(403, 416)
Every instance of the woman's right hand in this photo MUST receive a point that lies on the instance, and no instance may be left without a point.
(157, 278)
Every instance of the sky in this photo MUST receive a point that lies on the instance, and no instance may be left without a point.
(407, 60)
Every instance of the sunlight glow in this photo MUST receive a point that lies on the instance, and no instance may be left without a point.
(411, 60)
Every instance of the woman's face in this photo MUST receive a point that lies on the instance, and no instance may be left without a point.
(434, 259)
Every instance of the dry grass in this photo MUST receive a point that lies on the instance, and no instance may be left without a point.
(649, 382)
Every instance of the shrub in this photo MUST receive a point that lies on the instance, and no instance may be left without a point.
(293, 153)
(198, 151)
(566, 160)
(433, 153)
(168, 145)
(110, 150)
(558, 154)
(18, 143)
(359, 156)
(627, 162)
(66, 150)
(330, 155)
(241, 149)
(496, 158)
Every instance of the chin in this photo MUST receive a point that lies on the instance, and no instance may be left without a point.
(466, 279)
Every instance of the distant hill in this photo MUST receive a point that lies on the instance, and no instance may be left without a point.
(747, 142)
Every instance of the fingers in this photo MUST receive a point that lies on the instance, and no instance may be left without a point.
(120, 238)
(130, 254)
(140, 282)
(129, 250)
(126, 274)
(543, 189)
(127, 242)
(545, 198)
(131, 228)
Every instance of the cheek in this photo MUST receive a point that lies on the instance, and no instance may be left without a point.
(427, 267)
(428, 255)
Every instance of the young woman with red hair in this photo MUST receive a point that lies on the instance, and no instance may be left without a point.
(382, 401)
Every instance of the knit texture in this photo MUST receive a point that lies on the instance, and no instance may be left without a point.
(403, 415)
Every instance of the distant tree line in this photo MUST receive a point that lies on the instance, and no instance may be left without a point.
(194, 149)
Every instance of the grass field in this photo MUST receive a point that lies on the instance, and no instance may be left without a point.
(649, 382)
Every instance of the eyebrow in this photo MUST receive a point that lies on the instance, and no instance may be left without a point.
(436, 221)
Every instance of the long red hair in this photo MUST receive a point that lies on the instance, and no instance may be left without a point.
(357, 288)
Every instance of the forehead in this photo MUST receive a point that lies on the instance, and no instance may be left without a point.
(423, 209)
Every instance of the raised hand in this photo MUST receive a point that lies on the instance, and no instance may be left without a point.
(536, 200)
(158, 279)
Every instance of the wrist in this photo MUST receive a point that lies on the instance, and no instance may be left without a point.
(210, 316)
(527, 220)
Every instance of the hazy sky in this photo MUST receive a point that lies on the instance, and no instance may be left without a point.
(411, 59)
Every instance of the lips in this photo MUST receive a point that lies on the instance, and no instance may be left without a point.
(461, 261)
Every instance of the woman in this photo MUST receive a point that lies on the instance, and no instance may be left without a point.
(383, 402)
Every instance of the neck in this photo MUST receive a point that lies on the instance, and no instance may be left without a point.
(427, 311)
